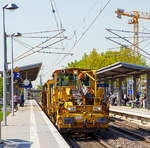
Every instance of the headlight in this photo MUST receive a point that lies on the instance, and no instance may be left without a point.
(71, 109)
(97, 108)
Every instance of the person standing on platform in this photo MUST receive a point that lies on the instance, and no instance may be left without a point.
(126, 99)
(137, 101)
(15, 102)
(113, 99)
(144, 101)
(21, 100)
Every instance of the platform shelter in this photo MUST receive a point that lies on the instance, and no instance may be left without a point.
(27, 72)
(119, 71)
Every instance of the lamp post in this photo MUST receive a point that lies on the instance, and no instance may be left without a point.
(12, 67)
(8, 6)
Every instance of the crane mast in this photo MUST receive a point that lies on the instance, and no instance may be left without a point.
(135, 16)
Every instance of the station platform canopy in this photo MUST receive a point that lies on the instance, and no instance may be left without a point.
(30, 72)
(120, 70)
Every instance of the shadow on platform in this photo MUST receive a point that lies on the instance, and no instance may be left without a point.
(15, 143)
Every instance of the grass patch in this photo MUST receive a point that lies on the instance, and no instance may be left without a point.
(1, 115)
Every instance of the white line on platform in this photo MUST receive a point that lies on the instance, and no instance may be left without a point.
(60, 141)
(33, 129)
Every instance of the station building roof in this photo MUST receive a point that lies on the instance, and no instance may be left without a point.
(29, 71)
(120, 70)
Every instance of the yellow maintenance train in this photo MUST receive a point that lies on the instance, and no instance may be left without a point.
(74, 102)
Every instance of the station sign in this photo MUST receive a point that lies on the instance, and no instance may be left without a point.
(17, 74)
(25, 86)
(102, 85)
(16, 69)
(26, 82)
(129, 92)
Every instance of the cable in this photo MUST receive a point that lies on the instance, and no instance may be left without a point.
(38, 45)
(23, 43)
(129, 37)
(86, 29)
(91, 24)
(43, 31)
(17, 59)
(126, 40)
(54, 52)
(127, 31)
(53, 10)
(124, 45)
(55, 17)
(39, 37)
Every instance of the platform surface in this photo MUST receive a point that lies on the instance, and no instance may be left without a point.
(131, 111)
(30, 128)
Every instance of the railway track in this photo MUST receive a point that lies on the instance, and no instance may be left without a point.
(131, 130)
(141, 140)
(102, 142)
(130, 124)
(83, 142)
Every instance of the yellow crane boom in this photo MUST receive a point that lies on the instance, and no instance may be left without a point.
(135, 16)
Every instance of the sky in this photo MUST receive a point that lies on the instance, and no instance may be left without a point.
(73, 16)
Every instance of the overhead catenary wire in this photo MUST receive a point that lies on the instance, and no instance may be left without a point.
(58, 23)
(18, 57)
(53, 10)
(125, 45)
(40, 37)
(30, 47)
(128, 31)
(128, 37)
(50, 52)
(39, 32)
(23, 43)
(60, 20)
(91, 24)
(77, 41)
(87, 29)
(53, 7)
(126, 40)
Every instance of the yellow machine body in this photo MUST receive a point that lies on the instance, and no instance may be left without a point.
(73, 104)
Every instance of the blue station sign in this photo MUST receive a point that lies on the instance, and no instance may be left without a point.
(102, 85)
(129, 92)
(25, 86)
(17, 75)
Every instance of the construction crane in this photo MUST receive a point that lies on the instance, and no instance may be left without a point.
(135, 16)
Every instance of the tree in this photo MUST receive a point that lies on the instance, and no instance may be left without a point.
(97, 60)
(39, 87)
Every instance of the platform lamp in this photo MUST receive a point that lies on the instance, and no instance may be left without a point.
(18, 34)
(10, 6)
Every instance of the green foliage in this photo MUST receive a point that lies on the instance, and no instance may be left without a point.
(39, 87)
(97, 60)
(1, 115)
(1, 87)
